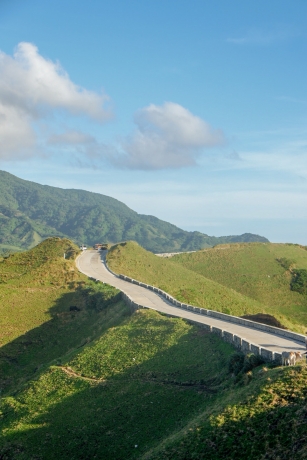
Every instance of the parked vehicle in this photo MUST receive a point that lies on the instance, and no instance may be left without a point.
(101, 246)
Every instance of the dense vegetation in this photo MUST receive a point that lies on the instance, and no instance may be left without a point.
(238, 279)
(97, 381)
(299, 281)
(30, 212)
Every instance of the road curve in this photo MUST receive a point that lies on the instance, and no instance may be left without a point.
(92, 264)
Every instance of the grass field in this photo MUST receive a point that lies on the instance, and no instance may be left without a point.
(31, 284)
(102, 382)
(238, 279)
(37, 289)
(140, 380)
(155, 387)
(261, 271)
(186, 286)
(265, 419)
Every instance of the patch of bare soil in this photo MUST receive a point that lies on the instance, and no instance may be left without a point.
(264, 318)
(69, 371)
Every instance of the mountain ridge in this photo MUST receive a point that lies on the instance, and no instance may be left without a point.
(31, 212)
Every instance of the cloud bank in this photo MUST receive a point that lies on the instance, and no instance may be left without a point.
(31, 87)
(167, 136)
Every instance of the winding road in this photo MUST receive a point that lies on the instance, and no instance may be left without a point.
(92, 263)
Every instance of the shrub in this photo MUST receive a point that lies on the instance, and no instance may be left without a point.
(251, 361)
(286, 263)
(99, 296)
(236, 363)
(239, 363)
(299, 281)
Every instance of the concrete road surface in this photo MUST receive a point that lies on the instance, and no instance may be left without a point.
(92, 264)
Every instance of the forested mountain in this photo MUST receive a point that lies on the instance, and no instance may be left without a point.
(30, 212)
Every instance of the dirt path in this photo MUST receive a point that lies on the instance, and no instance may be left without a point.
(71, 373)
(182, 385)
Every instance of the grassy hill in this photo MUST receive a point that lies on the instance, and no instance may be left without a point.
(133, 260)
(102, 382)
(263, 272)
(31, 212)
(264, 419)
(235, 279)
(37, 288)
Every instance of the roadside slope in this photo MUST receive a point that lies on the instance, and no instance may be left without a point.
(92, 263)
(263, 272)
(191, 286)
(134, 261)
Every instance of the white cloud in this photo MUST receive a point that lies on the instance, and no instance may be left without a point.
(167, 136)
(30, 81)
(71, 137)
(17, 138)
(177, 125)
(33, 87)
(81, 149)
(30, 88)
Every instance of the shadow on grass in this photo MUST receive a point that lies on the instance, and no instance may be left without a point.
(27, 356)
(271, 425)
(131, 410)
(126, 417)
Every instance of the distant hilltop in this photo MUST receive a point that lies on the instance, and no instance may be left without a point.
(30, 212)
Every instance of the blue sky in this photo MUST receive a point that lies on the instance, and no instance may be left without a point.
(192, 111)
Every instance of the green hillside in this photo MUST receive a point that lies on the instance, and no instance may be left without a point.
(132, 260)
(97, 381)
(144, 389)
(37, 289)
(263, 420)
(185, 279)
(31, 212)
(263, 272)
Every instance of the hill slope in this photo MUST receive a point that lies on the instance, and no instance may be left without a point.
(30, 212)
(133, 260)
(263, 272)
(101, 382)
(253, 283)
(37, 288)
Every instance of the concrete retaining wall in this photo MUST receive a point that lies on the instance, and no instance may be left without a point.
(219, 315)
(239, 343)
